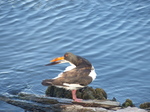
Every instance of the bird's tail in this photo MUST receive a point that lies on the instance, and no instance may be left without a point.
(47, 82)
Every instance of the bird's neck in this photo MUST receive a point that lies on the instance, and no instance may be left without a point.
(82, 63)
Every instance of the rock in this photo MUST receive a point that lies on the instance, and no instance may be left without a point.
(99, 103)
(37, 103)
(80, 108)
(114, 99)
(85, 93)
(127, 103)
(145, 105)
(131, 109)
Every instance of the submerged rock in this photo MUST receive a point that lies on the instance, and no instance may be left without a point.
(127, 103)
(85, 93)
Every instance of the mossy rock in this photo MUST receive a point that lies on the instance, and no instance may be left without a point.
(127, 103)
(58, 92)
(84, 93)
(145, 105)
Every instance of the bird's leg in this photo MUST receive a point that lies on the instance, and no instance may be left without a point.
(74, 96)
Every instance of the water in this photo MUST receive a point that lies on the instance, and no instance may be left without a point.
(113, 35)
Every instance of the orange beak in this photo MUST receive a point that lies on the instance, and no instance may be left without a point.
(56, 61)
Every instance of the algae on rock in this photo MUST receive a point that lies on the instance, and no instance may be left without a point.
(84, 93)
(127, 103)
(145, 105)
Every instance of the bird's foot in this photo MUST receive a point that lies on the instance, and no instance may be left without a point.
(77, 100)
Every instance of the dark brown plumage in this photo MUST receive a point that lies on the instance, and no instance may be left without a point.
(74, 76)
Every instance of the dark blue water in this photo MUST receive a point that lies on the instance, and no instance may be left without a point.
(113, 35)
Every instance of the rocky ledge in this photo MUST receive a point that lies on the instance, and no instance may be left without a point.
(59, 100)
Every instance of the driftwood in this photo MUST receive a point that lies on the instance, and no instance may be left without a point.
(39, 103)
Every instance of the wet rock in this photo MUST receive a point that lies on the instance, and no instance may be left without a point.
(37, 103)
(85, 93)
(127, 103)
(32, 97)
(145, 105)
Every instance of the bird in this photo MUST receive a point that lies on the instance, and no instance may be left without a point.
(78, 75)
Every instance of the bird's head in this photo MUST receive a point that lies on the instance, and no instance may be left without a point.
(68, 57)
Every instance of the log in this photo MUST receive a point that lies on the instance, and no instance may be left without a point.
(40, 103)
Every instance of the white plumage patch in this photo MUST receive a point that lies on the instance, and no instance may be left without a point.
(93, 74)
(72, 86)
(70, 67)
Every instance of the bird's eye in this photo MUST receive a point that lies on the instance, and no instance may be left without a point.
(66, 55)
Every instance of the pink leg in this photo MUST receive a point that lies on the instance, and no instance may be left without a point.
(74, 96)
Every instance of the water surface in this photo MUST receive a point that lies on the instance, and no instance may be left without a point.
(113, 35)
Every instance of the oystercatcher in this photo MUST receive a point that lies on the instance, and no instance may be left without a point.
(78, 75)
